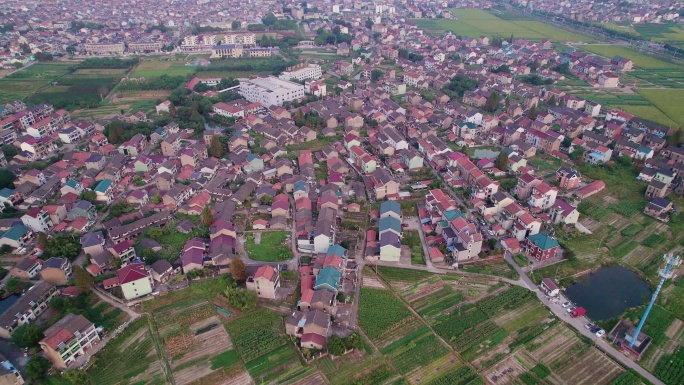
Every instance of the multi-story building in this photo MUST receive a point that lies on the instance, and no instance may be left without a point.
(27, 308)
(56, 271)
(311, 71)
(227, 50)
(269, 90)
(135, 281)
(104, 191)
(9, 375)
(265, 282)
(105, 48)
(144, 47)
(37, 220)
(69, 338)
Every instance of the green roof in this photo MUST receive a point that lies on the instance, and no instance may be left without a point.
(390, 223)
(543, 241)
(450, 215)
(103, 186)
(337, 250)
(15, 232)
(328, 277)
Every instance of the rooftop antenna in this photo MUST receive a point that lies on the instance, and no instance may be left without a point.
(665, 274)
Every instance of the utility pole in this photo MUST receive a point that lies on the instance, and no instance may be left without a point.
(665, 274)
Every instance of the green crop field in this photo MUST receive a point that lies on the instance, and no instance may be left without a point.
(380, 311)
(475, 22)
(651, 113)
(154, 68)
(667, 101)
(81, 88)
(660, 32)
(638, 59)
(23, 83)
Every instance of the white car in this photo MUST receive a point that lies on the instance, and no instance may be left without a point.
(570, 309)
(600, 333)
(566, 304)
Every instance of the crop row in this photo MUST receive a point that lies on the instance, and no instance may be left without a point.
(476, 335)
(670, 368)
(442, 305)
(256, 343)
(458, 322)
(506, 300)
(461, 376)
(419, 353)
(627, 378)
(379, 311)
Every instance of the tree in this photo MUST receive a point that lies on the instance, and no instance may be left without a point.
(270, 19)
(207, 216)
(238, 270)
(71, 50)
(155, 232)
(354, 341)
(376, 74)
(492, 102)
(577, 155)
(13, 285)
(369, 23)
(156, 198)
(77, 377)
(552, 100)
(9, 151)
(335, 345)
(215, 147)
(63, 246)
(37, 366)
(42, 239)
(27, 336)
(532, 113)
(235, 25)
(502, 161)
(241, 299)
(7, 179)
(83, 279)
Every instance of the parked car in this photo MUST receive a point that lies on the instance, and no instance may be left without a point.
(566, 304)
(283, 267)
(600, 333)
(490, 232)
(404, 225)
(589, 326)
(570, 309)
(595, 329)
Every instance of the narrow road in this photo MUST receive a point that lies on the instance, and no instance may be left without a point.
(118, 305)
(578, 324)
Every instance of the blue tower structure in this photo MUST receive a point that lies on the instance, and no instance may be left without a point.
(665, 274)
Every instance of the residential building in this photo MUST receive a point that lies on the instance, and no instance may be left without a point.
(68, 339)
(56, 271)
(302, 72)
(541, 246)
(135, 281)
(265, 282)
(25, 269)
(27, 308)
(37, 220)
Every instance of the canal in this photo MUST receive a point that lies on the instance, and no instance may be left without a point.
(608, 292)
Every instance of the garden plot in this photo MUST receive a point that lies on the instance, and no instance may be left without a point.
(209, 338)
(505, 372)
(437, 368)
(552, 345)
(317, 378)
(372, 282)
(592, 367)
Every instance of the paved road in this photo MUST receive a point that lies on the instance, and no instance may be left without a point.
(578, 324)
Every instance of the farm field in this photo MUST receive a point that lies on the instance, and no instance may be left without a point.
(271, 248)
(474, 23)
(153, 68)
(660, 32)
(81, 88)
(667, 101)
(130, 357)
(640, 60)
(25, 82)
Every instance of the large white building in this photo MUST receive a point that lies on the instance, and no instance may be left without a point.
(311, 71)
(269, 90)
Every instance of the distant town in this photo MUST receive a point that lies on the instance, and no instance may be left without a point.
(466, 192)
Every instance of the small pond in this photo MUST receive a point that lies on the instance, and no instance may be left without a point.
(608, 292)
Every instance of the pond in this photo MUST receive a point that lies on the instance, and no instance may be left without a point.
(608, 292)
(8, 301)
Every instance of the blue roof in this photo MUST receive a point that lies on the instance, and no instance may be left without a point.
(15, 232)
(337, 250)
(103, 186)
(450, 215)
(543, 241)
(72, 183)
(388, 206)
(300, 186)
(6, 193)
(329, 277)
(390, 223)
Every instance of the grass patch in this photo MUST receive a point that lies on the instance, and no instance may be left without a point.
(225, 359)
(411, 238)
(624, 248)
(397, 274)
(272, 248)
(654, 240)
(631, 230)
(155, 68)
